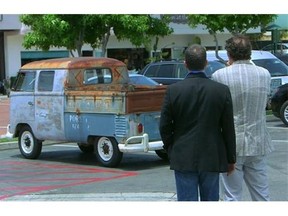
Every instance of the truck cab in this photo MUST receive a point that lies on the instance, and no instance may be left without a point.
(86, 100)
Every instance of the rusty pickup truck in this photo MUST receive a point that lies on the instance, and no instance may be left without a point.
(89, 101)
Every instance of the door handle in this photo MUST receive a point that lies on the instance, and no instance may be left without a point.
(30, 103)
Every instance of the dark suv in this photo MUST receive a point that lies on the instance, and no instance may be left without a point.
(168, 72)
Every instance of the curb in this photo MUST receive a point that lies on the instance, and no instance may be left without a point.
(144, 196)
(3, 97)
(14, 145)
(8, 145)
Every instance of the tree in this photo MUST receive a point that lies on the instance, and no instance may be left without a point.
(72, 31)
(138, 29)
(55, 30)
(235, 24)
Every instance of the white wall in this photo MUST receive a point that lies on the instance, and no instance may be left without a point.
(13, 46)
(172, 41)
(9, 22)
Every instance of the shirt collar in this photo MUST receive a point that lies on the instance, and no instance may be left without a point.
(197, 73)
(242, 62)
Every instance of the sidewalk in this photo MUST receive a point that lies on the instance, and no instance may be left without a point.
(4, 113)
(4, 121)
(145, 196)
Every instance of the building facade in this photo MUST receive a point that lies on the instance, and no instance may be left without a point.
(13, 55)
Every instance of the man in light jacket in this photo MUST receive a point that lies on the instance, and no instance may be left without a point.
(249, 86)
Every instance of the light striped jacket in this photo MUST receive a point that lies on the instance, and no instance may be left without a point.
(249, 86)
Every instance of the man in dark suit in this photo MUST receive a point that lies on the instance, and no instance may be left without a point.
(197, 130)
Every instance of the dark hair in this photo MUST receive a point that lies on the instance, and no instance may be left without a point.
(239, 47)
(195, 57)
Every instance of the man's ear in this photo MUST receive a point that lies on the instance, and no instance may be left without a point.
(185, 64)
(206, 64)
(230, 60)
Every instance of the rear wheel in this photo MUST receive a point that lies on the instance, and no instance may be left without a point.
(86, 148)
(29, 146)
(284, 113)
(107, 151)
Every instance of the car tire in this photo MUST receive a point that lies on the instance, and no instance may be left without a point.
(107, 151)
(284, 113)
(29, 146)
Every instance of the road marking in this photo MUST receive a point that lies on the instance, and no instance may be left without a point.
(24, 178)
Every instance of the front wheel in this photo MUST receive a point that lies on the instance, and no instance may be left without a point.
(284, 113)
(29, 146)
(107, 151)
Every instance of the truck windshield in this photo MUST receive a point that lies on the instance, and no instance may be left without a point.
(25, 81)
(123, 75)
(97, 76)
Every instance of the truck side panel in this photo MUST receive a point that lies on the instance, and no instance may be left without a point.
(103, 113)
(79, 126)
(95, 102)
(151, 125)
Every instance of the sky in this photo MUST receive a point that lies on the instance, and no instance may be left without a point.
(143, 6)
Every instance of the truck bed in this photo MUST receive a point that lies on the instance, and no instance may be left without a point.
(136, 100)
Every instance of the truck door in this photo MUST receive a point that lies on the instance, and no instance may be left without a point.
(49, 105)
(22, 102)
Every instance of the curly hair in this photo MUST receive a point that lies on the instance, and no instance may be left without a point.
(195, 57)
(239, 47)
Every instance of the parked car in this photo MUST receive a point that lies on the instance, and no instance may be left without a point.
(278, 70)
(283, 58)
(279, 103)
(169, 72)
(93, 102)
(139, 79)
(280, 48)
(135, 79)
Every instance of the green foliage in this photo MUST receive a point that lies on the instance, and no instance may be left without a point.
(72, 31)
(3, 140)
(235, 24)
(139, 29)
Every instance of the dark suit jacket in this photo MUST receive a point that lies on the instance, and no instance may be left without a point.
(197, 126)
